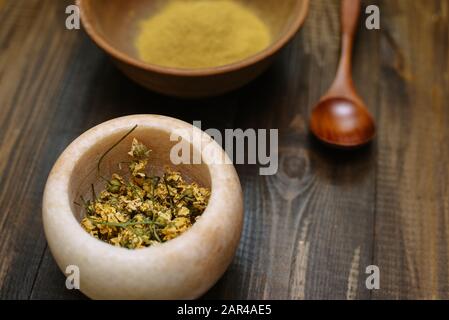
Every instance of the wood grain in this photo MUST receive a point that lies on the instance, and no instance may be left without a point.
(412, 219)
(310, 230)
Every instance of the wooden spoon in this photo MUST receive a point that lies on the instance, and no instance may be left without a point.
(341, 119)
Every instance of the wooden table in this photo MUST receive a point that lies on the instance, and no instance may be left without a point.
(311, 230)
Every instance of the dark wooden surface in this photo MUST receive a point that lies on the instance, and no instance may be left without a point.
(310, 230)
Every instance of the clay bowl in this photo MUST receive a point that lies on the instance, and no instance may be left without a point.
(182, 268)
(112, 24)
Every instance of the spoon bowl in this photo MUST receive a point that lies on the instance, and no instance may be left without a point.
(342, 122)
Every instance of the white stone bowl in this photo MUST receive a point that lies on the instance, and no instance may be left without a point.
(182, 268)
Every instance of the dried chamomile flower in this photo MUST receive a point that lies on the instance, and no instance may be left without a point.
(116, 184)
(139, 150)
(176, 227)
(143, 210)
(183, 212)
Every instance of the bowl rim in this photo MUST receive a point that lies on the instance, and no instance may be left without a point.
(186, 72)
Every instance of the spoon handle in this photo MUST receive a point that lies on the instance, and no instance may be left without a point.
(350, 13)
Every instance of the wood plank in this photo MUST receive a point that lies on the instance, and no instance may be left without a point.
(31, 65)
(312, 223)
(412, 219)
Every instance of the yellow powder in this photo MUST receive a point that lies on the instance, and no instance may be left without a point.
(201, 33)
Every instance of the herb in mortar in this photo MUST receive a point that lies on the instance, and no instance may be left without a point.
(143, 210)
